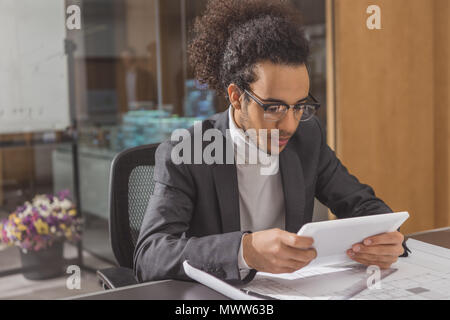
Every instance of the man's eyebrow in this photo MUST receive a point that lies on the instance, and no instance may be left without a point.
(278, 100)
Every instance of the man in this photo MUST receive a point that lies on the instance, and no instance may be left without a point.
(229, 219)
(136, 84)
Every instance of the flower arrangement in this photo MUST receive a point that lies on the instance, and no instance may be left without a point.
(37, 225)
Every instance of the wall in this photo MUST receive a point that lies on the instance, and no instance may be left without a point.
(442, 113)
(391, 104)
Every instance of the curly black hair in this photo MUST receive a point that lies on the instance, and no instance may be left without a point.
(234, 35)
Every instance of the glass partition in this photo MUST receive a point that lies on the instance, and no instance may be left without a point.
(132, 85)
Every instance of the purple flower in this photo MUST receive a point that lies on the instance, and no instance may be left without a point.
(52, 220)
(27, 220)
(63, 194)
(30, 238)
(31, 230)
(21, 209)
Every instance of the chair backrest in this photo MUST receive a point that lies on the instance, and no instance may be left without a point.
(130, 187)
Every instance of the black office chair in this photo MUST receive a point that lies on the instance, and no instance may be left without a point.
(130, 187)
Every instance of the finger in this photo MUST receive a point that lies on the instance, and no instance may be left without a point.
(295, 265)
(374, 258)
(282, 270)
(295, 241)
(384, 238)
(370, 263)
(283, 264)
(302, 255)
(292, 265)
(384, 249)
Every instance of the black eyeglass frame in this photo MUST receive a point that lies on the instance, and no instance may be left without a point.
(299, 106)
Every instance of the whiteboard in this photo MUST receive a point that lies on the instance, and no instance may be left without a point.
(34, 92)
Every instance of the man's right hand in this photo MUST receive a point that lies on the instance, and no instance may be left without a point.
(277, 251)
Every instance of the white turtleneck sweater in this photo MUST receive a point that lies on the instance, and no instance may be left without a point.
(261, 197)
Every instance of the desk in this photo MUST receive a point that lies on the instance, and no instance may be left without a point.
(438, 237)
(183, 290)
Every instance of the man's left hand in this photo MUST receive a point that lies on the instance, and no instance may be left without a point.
(381, 250)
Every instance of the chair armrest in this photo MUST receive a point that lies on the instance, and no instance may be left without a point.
(117, 277)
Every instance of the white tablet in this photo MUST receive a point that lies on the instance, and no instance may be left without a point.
(333, 238)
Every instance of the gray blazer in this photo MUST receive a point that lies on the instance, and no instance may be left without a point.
(194, 211)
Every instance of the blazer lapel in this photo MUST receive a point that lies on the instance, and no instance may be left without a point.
(225, 180)
(294, 189)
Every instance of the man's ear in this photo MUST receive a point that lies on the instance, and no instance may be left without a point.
(234, 94)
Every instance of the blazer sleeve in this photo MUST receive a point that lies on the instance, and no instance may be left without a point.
(342, 192)
(162, 244)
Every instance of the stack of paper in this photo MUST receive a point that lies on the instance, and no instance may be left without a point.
(425, 274)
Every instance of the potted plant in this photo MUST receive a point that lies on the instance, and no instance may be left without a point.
(39, 228)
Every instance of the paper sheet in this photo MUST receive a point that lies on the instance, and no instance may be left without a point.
(320, 283)
(425, 274)
(215, 283)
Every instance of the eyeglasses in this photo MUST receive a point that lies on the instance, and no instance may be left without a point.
(275, 111)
